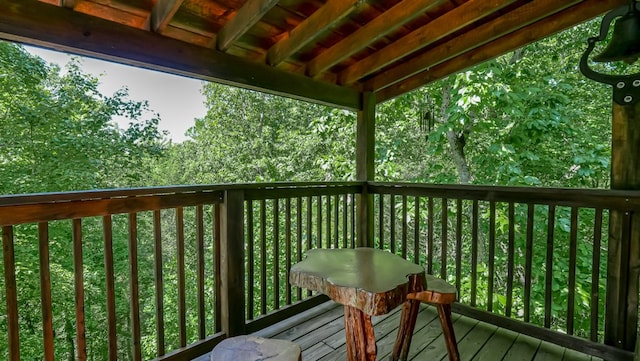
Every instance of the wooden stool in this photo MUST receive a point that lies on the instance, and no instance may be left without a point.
(251, 348)
(442, 295)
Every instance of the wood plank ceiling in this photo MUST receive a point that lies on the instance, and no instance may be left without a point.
(327, 51)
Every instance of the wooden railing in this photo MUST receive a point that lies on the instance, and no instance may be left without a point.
(168, 272)
(138, 274)
(111, 269)
(530, 259)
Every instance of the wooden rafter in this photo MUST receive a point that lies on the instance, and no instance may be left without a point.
(376, 29)
(162, 13)
(128, 16)
(437, 29)
(328, 15)
(340, 46)
(37, 23)
(581, 12)
(488, 32)
(245, 18)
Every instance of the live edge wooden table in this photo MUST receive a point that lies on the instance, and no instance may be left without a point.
(368, 282)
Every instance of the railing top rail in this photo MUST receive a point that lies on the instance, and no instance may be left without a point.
(604, 198)
(56, 197)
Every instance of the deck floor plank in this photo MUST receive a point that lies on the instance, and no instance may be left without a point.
(475, 340)
(549, 352)
(524, 348)
(572, 355)
(497, 346)
(320, 333)
(437, 350)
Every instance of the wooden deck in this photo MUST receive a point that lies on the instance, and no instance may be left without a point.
(320, 334)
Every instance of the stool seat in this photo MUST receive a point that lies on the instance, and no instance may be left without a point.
(441, 294)
(251, 348)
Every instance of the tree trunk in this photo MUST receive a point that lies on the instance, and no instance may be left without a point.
(456, 139)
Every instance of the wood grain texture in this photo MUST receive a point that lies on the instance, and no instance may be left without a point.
(370, 280)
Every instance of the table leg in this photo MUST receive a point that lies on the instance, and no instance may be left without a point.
(405, 331)
(361, 341)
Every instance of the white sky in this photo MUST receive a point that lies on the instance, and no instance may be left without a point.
(177, 99)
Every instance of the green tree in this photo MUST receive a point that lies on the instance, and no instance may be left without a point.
(248, 136)
(57, 134)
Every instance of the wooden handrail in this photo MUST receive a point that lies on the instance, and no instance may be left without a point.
(297, 217)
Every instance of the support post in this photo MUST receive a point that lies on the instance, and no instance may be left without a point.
(365, 167)
(623, 263)
(232, 263)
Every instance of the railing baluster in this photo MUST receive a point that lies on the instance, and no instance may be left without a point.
(510, 260)
(200, 265)
(217, 269)
(133, 287)
(328, 221)
(298, 240)
(287, 240)
(345, 217)
(595, 273)
(492, 255)
(353, 221)
(250, 260)
(309, 229)
(392, 224)
(182, 304)
(474, 251)
(404, 226)
(336, 228)
(263, 257)
(444, 232)
(381, 222)
(78, 274)
(573, 245)
(45, 290)
(276, 254)
(430, 236)
(549, 266)
(159, 282)
(11, 292)
(458, 243)
(416, 231)
(528, 262)
(319, 221)
(110, 287)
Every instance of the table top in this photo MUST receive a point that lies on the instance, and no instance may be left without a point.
(371, 280)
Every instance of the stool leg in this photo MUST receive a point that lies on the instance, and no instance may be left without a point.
(405, 331)
(361, 340)
(444, 311)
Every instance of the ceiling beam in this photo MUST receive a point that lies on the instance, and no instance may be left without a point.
(245, 18)
(327, 16)
(435, 30)
(371, 32)
(162, 13)
(563, 20)
(505, 24)
(40, 24)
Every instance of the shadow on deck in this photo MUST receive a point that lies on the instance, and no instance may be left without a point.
(320, 334)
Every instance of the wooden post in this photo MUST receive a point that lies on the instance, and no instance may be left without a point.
(365, 167)
(232, 263)
(623, 264)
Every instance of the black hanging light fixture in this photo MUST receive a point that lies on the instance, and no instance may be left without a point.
(624, 46)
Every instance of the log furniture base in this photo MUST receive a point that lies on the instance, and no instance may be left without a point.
(367, 281)
(440, 294)
(251, 348)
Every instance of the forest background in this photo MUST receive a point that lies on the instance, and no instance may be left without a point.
(528, 118)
